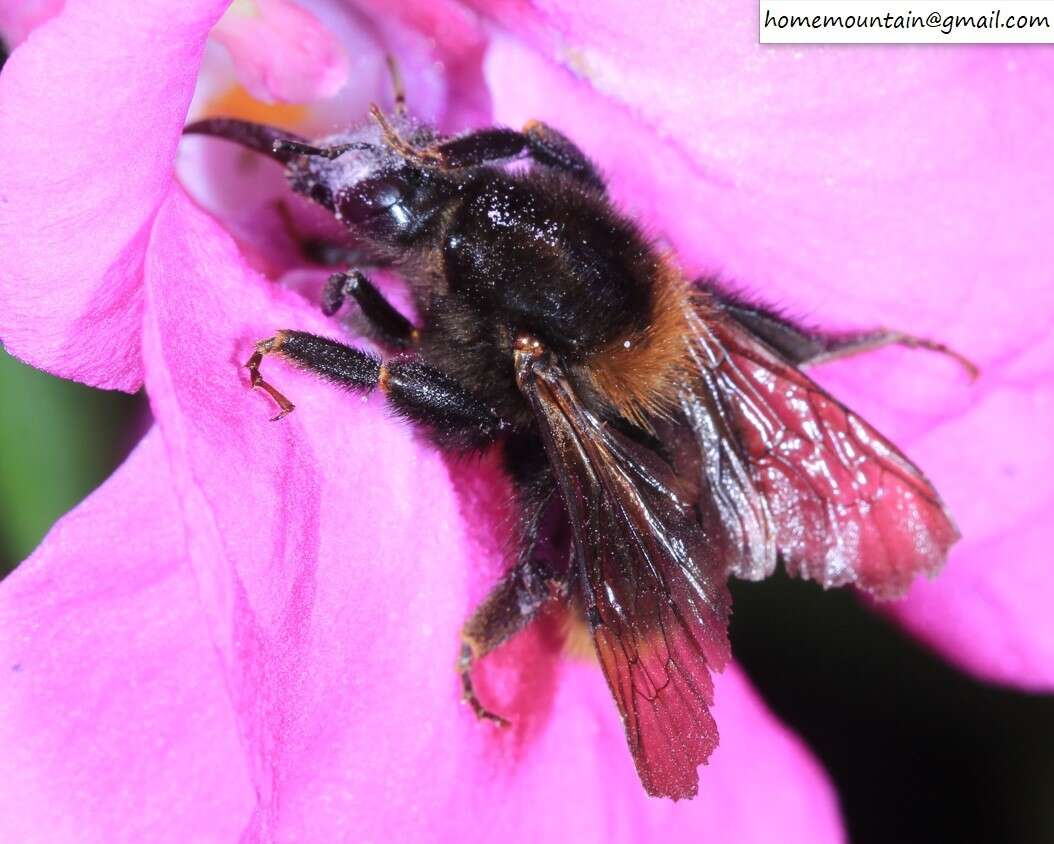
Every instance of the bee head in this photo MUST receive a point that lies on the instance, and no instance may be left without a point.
(356, 175)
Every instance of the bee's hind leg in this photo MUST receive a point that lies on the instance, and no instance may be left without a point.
(509, 608)
(806, 347)
(835, 346)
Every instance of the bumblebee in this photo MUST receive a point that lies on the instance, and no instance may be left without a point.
(660, 433)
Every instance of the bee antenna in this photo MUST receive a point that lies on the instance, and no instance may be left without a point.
(275, 143)
(398, 90)
(291, 148)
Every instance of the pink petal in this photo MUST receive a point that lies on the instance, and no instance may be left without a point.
(337, 556)
(858, 186)
(282, 52)
(91, 109)
(991, 608)
(114, 719)
(425, 35)
(20, 17)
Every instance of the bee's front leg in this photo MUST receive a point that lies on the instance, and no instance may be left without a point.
(456, 418)
(385, 322)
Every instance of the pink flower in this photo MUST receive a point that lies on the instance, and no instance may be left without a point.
(311, 63)
(249, 630)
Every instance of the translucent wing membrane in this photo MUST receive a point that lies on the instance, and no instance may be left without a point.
(652, 583)
(778, 469)
(795, 474)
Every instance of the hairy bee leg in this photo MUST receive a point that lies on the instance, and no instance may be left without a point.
(509, 607)
(551, 147)
(415, 390)
(330, 360)
(541, 142)
(390, 326)
(803, 346)
(843, 346)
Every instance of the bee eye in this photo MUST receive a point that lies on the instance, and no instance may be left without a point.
(386, 195)
(375, 194)
(322, 195)
(382, 198)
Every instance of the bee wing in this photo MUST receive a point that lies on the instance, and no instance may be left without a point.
(652, 584)
(798, 476)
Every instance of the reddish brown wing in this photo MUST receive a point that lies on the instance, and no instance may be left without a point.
(652, 585)
(798, 475)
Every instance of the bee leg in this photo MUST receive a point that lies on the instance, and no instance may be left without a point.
(802, 346)
(540, 142)
(333, 361)
(468, 690)
(415, 390)
(557, 150)
(837, 346)
(537, 140)
(510, 607)
(264, 347)
(385, 322)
